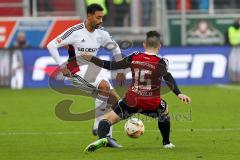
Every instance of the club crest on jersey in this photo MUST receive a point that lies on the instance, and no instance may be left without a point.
(59, 40)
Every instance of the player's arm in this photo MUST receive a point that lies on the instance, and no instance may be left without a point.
(111, 45)
(59, 41)
(174, 87)
(171, 82)
(63, 39)
(110, 65)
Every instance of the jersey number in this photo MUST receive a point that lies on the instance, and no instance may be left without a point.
(140, 77)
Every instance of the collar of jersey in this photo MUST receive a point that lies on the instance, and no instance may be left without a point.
(86, 28)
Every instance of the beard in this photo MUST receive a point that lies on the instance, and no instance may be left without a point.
(96, 26)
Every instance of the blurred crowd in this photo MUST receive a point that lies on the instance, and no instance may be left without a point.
(203, 5)
(118, 13)
(203, 33)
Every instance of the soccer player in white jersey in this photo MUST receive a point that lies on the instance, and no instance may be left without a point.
(88, 36)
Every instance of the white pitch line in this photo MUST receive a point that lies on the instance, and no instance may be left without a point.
(76, 133)
(232, 87)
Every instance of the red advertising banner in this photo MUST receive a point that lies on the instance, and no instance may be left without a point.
(57, 28)
(38, 31)
(6, 31)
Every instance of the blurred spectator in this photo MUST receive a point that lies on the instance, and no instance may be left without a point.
(179, 5)
(122, 11)
(43, 5)
(17, 70)
(233, 34)
(204, 34)
(171, 4)
(103, 3)
(146, 12)
(226, 4)
(21, 41)
(203, 5)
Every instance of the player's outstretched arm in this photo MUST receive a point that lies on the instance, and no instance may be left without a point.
(110, 65)
(174, 87)
(53, 50)
(64, 39)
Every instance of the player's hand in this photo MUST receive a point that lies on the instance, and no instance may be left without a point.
(66, 72)
(87, 56)
(120, 78)
(184, 98)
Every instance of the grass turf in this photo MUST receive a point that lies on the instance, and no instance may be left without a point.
(209, 128)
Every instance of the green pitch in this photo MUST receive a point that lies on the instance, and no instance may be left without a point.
(209, 128)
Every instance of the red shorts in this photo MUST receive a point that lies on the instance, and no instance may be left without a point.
(142, 102)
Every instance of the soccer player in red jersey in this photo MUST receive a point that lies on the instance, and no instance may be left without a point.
(143, 95)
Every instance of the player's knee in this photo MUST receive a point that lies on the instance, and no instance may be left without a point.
(104, 88)
(112, 117)
(164, 118)
(113, 97)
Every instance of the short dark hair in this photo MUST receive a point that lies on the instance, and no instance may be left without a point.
(92, 8)
(153, 39)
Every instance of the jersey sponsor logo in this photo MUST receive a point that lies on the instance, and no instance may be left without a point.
(141, 92)
(144, 64)
(87, 49)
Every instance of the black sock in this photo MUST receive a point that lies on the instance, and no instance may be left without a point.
(103, 128)
(164, 127)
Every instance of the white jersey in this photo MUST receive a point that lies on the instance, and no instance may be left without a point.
(83, 41)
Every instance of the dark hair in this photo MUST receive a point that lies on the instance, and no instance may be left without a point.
(153, 39)
(92, 8)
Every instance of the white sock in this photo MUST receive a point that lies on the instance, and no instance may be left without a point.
(101, 109)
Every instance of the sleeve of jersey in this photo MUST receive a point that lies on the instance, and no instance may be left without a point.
(112, 65)
(111, 45)
(62, 40)
(171, 83)
(167, 76)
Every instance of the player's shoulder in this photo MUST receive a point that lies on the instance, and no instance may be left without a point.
(164, 61)
(134, 53)
(102, 31)
(78, 26)
(131, 55)
(72, 30)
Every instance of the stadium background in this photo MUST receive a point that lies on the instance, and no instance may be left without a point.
(206, 67)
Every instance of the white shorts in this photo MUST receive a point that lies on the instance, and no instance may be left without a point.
(89, 77)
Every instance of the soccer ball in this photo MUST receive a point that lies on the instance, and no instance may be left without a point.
(134, 128)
